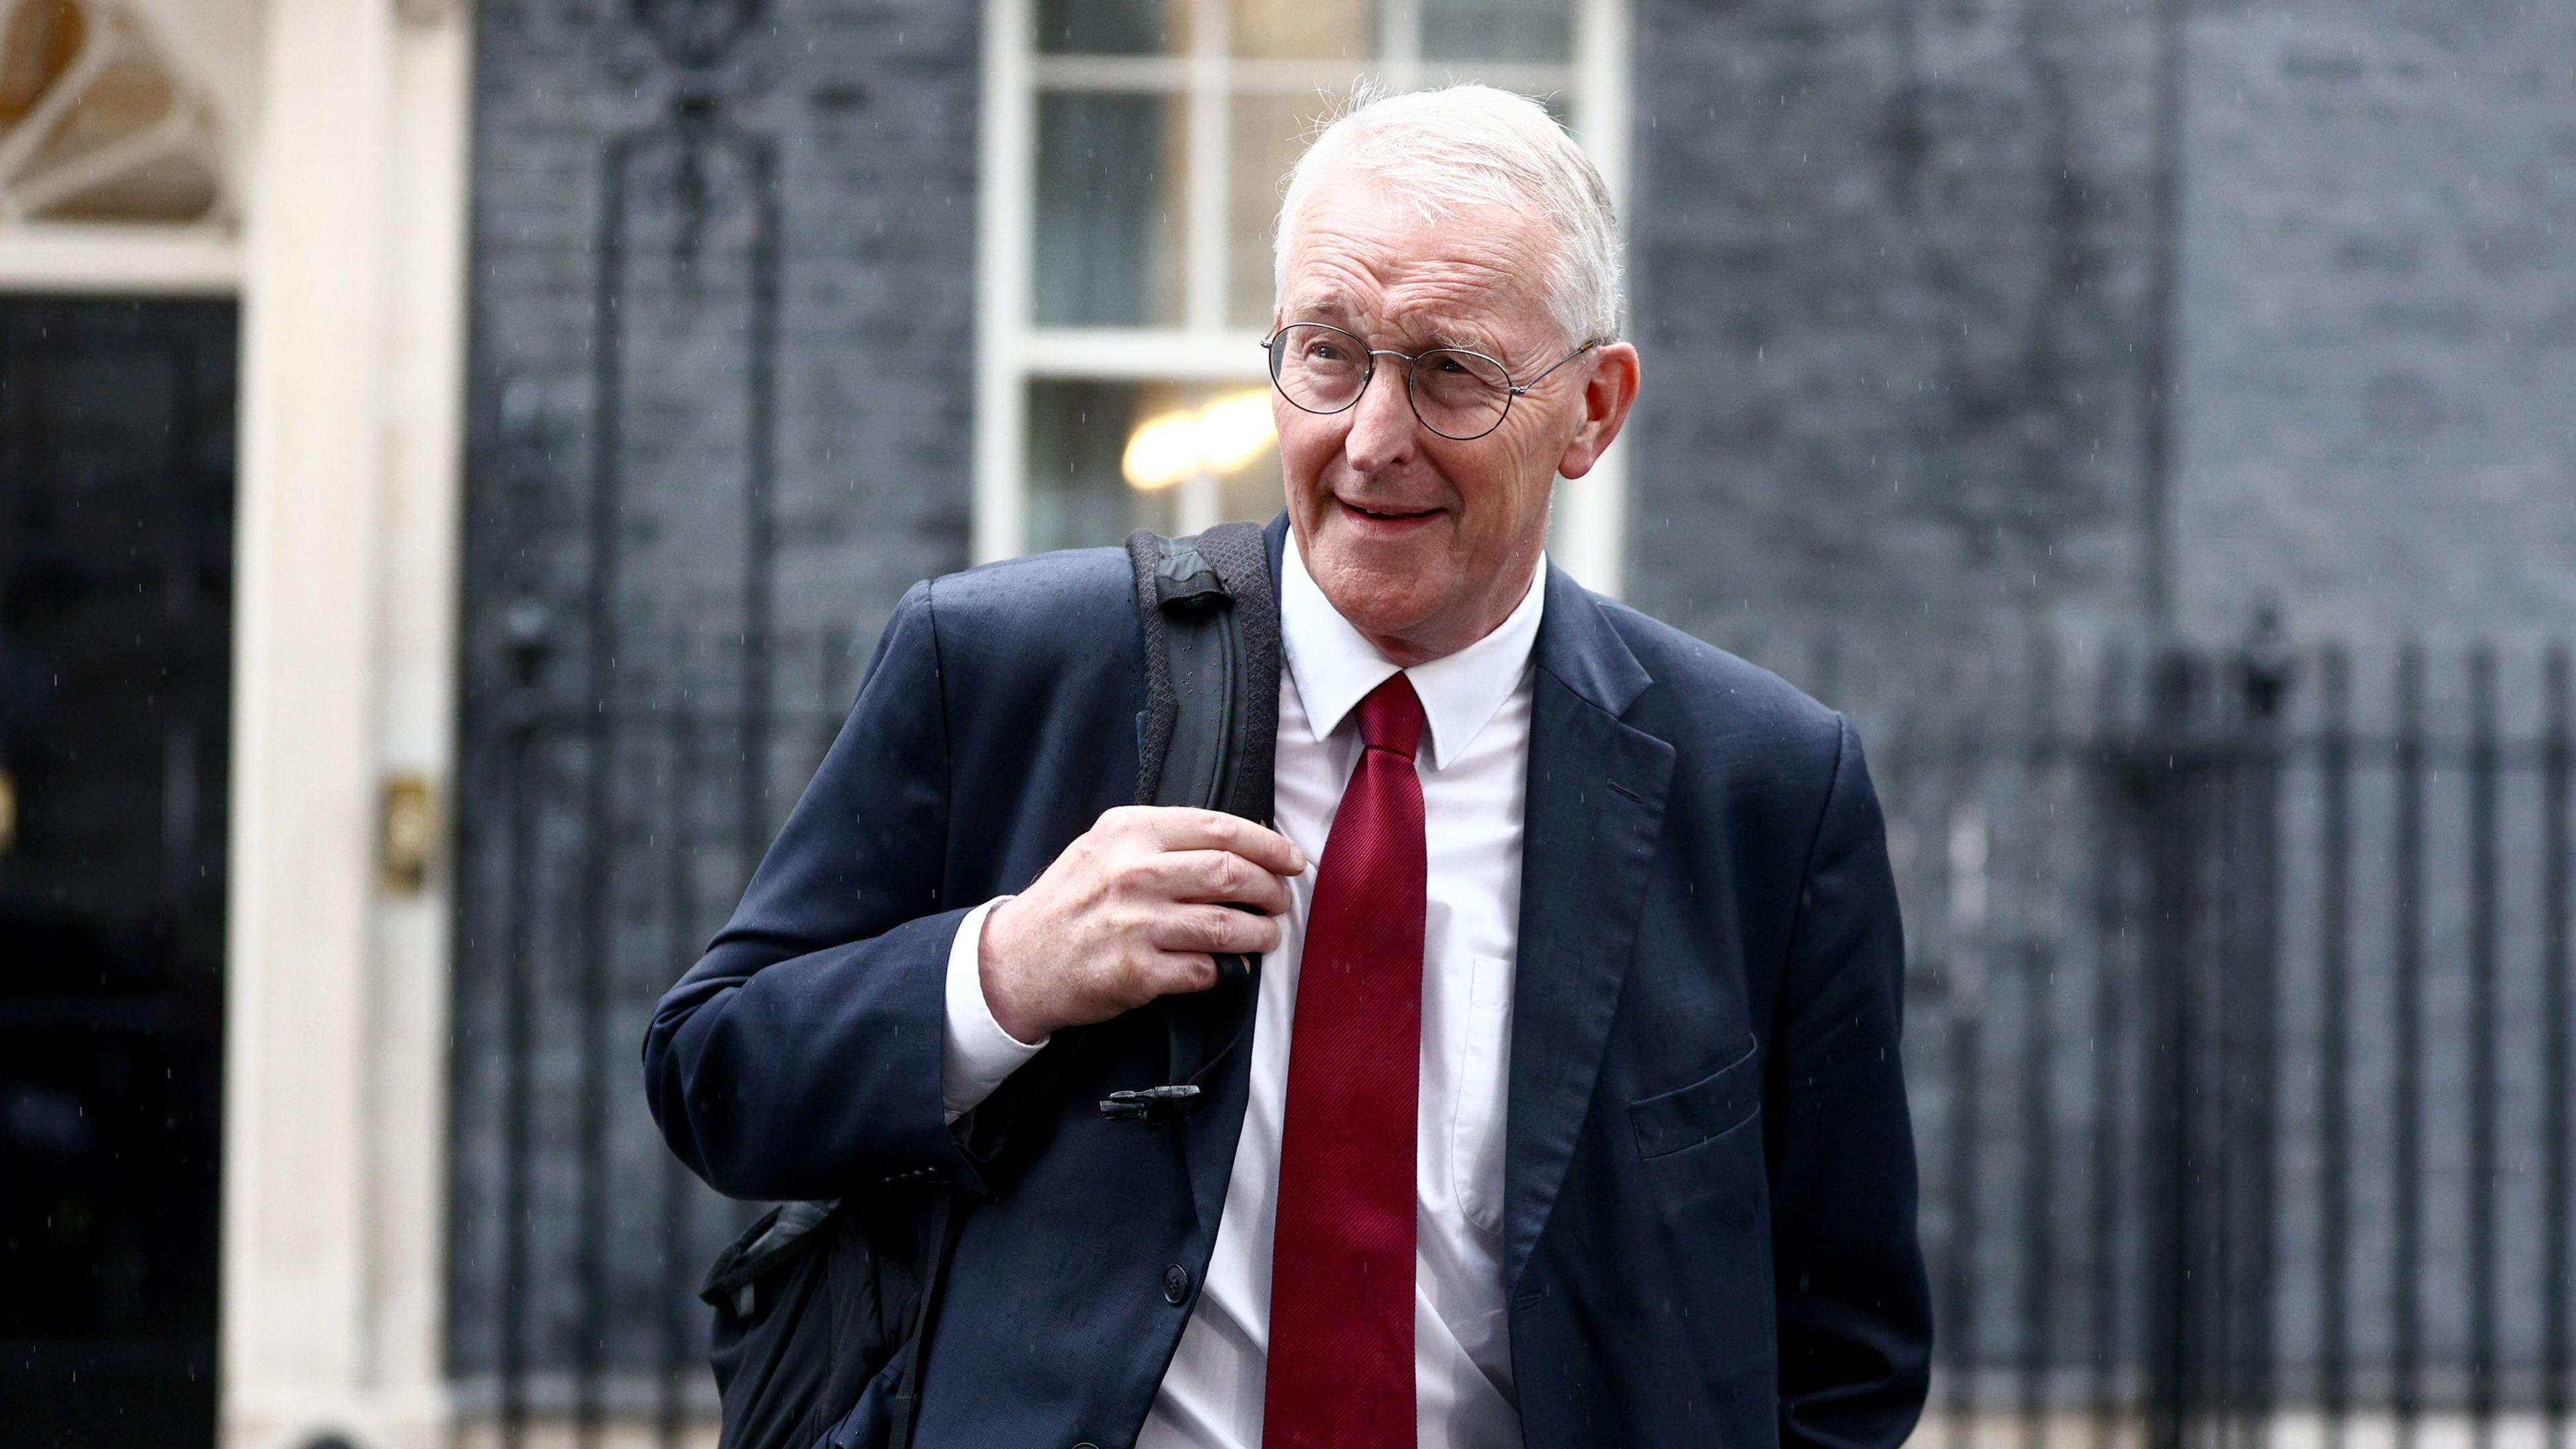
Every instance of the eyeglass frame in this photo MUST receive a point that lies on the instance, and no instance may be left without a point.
(1368, 374)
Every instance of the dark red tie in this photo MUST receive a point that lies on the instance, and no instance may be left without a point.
(1341, 1261)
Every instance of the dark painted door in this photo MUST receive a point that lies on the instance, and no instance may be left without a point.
(116, 506)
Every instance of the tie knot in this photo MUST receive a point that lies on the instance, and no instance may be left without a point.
(1391, 717)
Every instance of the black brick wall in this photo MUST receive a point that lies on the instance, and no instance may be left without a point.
(2378, 384)
(1898, 268)
(1892, 262)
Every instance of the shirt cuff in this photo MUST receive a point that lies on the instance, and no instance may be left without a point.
(975, 1054)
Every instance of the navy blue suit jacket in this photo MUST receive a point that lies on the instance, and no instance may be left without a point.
(1709, 1171)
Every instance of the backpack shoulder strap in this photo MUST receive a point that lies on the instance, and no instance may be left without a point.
(1210, 623)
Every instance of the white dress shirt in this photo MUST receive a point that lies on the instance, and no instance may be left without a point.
(1474, 768)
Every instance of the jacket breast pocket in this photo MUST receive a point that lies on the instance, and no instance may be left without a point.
(1709, 1108)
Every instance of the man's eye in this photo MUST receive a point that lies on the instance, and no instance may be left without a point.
(1324, 352)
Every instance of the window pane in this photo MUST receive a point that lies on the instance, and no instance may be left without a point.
(1270, 132)
(1113, 27)
(1076, 497)
(1304, 30)
(1085, 489)
(1252, 492)
(1108, 246)
(1517, 30)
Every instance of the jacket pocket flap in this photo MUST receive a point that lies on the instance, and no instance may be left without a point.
(1689, 1116)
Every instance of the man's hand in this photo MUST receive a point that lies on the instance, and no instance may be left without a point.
(1134, 909)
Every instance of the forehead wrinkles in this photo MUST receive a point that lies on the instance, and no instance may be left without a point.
(1447, 298)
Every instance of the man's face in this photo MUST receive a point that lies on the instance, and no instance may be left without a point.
(1424, 543)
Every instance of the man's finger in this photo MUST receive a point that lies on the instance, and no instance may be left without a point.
(1181, 972)
(1221, 875)
(1176, 828)
(1216, 930)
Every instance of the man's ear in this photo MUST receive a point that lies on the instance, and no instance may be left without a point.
(1609, 390)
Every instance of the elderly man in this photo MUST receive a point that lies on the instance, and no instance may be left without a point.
(1572, 1114)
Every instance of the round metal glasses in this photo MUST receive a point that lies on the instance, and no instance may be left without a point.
(1460, 395)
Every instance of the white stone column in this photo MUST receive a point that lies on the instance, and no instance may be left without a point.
(337, 986)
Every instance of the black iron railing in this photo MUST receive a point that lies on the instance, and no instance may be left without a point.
(2240, 1041)
(582, 1241)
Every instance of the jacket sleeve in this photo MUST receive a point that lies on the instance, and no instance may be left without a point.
(801, 1056)
(1855, 1317)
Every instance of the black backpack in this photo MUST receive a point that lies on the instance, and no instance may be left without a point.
(816, 1300)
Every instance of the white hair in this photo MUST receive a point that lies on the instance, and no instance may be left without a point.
(1473, 145)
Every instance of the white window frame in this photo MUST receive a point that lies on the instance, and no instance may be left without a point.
(1011, 351)
(120, 259)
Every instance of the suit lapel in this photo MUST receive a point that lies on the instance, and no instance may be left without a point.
(1595, 810)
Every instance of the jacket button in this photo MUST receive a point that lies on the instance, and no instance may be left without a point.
(1176, 1285)
(1086, 1444)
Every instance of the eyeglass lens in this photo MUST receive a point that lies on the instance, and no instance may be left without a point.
(1456, 394)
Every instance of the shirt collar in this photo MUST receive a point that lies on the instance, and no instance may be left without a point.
(1336, 666)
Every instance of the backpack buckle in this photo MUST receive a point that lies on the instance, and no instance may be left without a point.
(1167, 1106)
(1184, 579)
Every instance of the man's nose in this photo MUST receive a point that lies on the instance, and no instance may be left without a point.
(1382, 421)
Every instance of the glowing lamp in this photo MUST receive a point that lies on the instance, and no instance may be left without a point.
(1218, 438)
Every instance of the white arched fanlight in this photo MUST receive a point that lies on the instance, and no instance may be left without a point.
(97, 124)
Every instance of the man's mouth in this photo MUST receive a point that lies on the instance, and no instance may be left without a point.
(1388, 514)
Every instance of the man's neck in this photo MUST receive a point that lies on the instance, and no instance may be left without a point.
(1408, 650)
